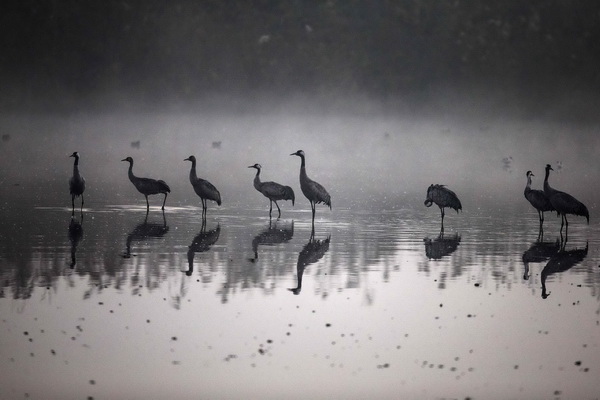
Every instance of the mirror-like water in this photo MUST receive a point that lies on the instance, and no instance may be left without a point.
(114, 303)
(377, 304)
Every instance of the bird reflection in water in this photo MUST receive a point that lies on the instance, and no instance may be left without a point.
(539, 251)
(201, 243)
(312, 252)
(75, 236)
(146, 230)
(441, 246)
(562, 261)
(271, 236)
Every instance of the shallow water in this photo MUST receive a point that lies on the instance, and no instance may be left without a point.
(114, 304)
(117, 304)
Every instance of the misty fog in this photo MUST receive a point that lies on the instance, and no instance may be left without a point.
(361, 159)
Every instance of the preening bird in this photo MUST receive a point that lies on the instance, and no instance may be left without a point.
(537, 198)
(272, 190)
(443, 197)
(202, 187)
(314, 192)
(563, 202)
(147, 186)
(76, 183)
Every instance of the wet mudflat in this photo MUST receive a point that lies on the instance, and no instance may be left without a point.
(377, 304)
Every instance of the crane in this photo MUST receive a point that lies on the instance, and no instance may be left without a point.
(202, 187)
(538, 199)
(563, 202)
(314, 192)
(272, 190)
(76, 183)
(443, 197)
(147, 186)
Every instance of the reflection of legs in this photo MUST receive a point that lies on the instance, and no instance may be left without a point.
(164, 201)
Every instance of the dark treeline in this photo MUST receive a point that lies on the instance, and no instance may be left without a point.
(155, 51)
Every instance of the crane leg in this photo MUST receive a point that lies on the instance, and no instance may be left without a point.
(164, 201)
(270, 207)
(278, 210)
(562, 222)
(443, 213)
(81, 203)
(73, 203)
(147, 203)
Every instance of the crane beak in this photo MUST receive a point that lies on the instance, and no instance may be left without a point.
(124, 159)
(186, 159)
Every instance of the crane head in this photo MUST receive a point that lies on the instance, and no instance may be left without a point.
(128, 159)
(75, 154)
(190, 158)
(257, 166)
(529, 173)
(549, 167)
(299, 153)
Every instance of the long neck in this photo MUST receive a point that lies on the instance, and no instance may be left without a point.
(76, 166)
(547, 187)
(257, 179)
(130, 173)
(528, 186)
(303, 167)
(193, 175)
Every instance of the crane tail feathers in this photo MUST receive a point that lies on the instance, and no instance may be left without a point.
(164, 185)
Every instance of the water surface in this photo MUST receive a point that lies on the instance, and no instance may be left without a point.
(114, 303)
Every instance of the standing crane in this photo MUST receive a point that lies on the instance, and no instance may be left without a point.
(272, 190)
(203, 188)
(538, 199)
(314, 192)
(147, 186)
(563, 202)
(443, 197)
(76, 183)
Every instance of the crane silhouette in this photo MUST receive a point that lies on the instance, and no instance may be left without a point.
(561, 261)
(314, 192)
(272, 191)
(539, 251)
(201, 243)
(76, 183)
(202, 187)
(312, 252)
(75, 236)
(271, 236)
(538, 199)
(147, 186)
(443, 197)
(145, 231)
(564, 203)
(436, 249)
